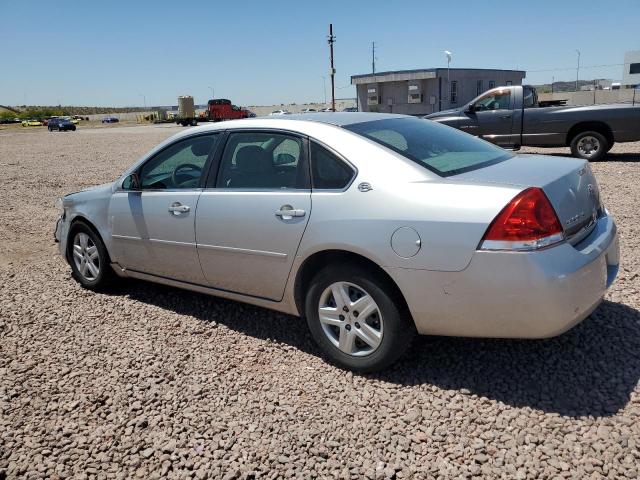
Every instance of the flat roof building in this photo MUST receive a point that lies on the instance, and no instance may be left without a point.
(424, 91)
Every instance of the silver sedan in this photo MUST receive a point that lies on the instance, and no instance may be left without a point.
(374, 227)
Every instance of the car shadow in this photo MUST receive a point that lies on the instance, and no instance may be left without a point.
(590, 370)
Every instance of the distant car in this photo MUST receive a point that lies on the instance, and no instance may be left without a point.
(280, 112)
(350, 109)
(329, 109)
(309, 110)
(31, 123)
(61, 125)
(250, 114)
(110, 120)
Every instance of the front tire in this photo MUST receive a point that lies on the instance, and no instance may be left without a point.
(357, 319)
(89, 259)
(591, 146)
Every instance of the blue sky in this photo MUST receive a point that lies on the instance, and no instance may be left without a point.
(267, 52)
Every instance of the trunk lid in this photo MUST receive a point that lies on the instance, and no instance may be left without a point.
(568, 183)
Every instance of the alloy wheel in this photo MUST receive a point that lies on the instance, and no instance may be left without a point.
(351, 319)
(86, 256)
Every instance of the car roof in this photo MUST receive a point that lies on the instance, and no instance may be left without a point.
(342, 119)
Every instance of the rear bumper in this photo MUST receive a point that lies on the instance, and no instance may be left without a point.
(515, 294)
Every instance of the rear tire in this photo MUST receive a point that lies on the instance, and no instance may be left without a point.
(589, 145)
(88, 258)
(362, 341)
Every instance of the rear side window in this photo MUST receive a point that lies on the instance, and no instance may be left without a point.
(263, 160)
(441, 149)
(327, 170)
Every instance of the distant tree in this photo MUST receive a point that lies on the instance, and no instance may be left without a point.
(7, 115)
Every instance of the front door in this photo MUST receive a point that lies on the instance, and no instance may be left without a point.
(153, 223)
(492, 119)
(251, 218)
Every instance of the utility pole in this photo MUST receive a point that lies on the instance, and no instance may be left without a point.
(577, 69)
(212, 95)
(373, 57)
(332, 71)
(553, 80)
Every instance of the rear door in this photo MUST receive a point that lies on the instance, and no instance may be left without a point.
(492, 118)
(253, 213)
(153, 224)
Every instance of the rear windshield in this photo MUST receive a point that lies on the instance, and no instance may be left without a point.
(443, 150)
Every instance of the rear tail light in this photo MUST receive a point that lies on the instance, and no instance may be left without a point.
(528, 222)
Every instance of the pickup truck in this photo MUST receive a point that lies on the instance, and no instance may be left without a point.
(512, 117)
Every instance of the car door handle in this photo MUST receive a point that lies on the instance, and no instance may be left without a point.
(287, 212)
(177, 208)
(505, 116)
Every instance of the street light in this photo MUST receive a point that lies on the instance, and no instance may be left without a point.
(324, 88)
(448, 54)
(212, 95)
(577, 69)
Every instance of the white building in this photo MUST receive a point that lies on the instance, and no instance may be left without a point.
(631, 69)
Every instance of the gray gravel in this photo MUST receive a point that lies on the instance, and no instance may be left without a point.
(152, 382)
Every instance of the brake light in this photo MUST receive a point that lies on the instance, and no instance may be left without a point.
(528, 222)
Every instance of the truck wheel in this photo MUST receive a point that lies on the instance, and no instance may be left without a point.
(589, 145)
(194, 122)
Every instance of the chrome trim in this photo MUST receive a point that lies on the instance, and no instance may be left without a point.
(522, 246)
(154, 240)
(246, 251)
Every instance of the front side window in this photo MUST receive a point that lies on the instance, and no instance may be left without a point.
(500, 100)
(327, 170)
(262, 160)
(441, 149)
(180, 165)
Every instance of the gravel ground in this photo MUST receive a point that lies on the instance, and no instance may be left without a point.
(152, 382)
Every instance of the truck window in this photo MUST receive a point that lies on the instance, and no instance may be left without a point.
(528, 97)
(499, 100)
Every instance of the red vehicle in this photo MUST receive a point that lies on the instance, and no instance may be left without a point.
(221, 109)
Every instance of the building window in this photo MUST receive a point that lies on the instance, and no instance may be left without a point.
(479, 88)
(509, 83)
(634, 68)
(454, 92)
(492, 84)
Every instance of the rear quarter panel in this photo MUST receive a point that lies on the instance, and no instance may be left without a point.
(449, 216)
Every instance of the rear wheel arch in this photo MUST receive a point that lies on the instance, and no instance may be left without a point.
(581, 127)
(319, 260)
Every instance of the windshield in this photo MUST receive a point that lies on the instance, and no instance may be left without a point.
(441, 149)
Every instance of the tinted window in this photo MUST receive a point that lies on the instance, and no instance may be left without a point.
(180, 165)
(263, 160)
(634, 68)
(328, 171)
(441, 149)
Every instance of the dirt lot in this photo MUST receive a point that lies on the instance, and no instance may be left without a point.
(151, 382)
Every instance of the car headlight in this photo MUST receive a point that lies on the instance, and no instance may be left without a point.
(60, 205)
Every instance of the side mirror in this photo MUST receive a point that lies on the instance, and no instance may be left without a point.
(131, 182)
(471, 108)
